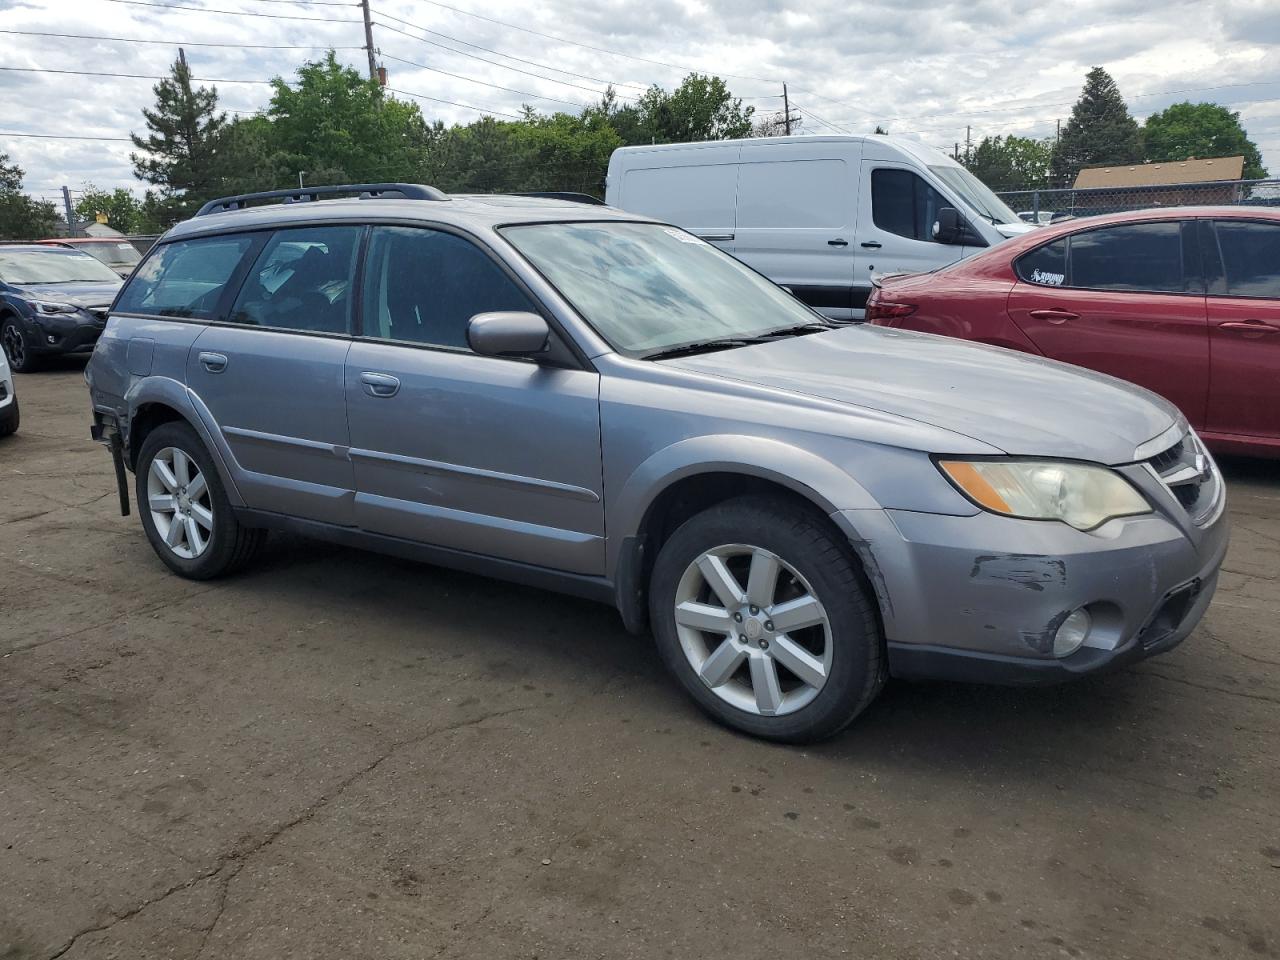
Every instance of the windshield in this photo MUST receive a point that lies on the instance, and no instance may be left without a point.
(53, 266)
(975, 193)
(647, 288)
(113, 253)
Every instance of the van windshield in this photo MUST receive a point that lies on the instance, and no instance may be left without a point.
(650, 289)
(975, 193)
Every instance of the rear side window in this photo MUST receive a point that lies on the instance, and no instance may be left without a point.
(185, 278)
(903, 203)
(1250, 257)
(423, 286)
(1045, 266)
(1137, 256)
(302, 280)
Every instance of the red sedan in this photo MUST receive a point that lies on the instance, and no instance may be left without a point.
(1185, 302)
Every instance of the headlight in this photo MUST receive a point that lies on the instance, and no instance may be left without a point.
(44, 306)
(1079, 494)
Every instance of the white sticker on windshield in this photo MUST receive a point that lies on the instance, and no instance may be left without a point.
(1048, 279)
(682, 236)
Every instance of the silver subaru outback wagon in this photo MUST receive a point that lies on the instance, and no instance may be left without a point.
(588, 401)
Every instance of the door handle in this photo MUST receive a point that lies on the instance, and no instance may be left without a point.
(1054, 315)
(838, 242)
(380, 384)
(871, 244)
(1257, 328)
(213, 362)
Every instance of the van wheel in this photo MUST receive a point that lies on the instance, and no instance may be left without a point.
(184, 508)
(760, 613)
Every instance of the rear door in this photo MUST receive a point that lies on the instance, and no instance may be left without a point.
(898, 209)
(1242, 259)
(797, 220)
(272, 375)
(1127, 300)
(490, 455)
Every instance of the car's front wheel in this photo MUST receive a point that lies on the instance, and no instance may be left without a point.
(184, 508)
(761, 614)
(15, 346)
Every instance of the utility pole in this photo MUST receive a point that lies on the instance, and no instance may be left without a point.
(71, 216)
(955, 154)
(1057, 135)
(368, 40)
(786, 110)
(968, 143)
(182, 58)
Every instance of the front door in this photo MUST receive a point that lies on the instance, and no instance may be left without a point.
(1126, 300)
(1244, 328)
(898, 209)
(272, 376)
(489, 455)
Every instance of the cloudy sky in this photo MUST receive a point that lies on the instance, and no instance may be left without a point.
(924, 68)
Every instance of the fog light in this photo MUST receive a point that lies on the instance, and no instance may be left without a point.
(51, 338)
(1071, 634)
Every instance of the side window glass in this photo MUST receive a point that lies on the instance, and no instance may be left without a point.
(1046, 266)
(185, 278)
(423, 286)
(1141, 256)
(903, 203)
(1250, 257)
(302, 280)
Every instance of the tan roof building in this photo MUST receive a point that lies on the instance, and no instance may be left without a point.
(1159, 174)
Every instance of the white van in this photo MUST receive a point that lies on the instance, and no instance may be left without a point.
(820, 215)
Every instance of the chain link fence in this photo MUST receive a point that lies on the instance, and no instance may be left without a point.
(1046, 205)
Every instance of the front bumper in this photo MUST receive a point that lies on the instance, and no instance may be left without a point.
(59, 333)
(979, 598)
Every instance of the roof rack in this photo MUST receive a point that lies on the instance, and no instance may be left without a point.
(564, 195)
(366, 191)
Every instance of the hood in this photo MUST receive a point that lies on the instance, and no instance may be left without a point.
(1008, 230)
(1022, 405)
(94, 294)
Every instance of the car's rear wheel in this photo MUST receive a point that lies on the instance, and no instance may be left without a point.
(15, 347)
(184, 508)
(761, 614)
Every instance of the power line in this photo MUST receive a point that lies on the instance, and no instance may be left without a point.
(182, 43)
(524, 93)
(63, 136)
(124, 76)
(238, 13)
(452, 103)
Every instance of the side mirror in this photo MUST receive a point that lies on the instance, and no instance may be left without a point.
(508, 334)
(948, 227)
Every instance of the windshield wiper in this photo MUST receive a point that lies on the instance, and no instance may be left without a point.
(702, 346)
(813, 326)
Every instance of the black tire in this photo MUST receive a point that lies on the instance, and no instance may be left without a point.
(10, 417)
(230, 545)
(14, 343)
(802, 539)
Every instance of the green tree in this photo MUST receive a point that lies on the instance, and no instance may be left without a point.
(123, 211)
(1011, 163)
(22, 218)
(336, 125)
(1099, 132)
(179, 154)
(701, 108)
(1187, 130)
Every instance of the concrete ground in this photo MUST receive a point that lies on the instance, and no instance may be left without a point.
(339, 755)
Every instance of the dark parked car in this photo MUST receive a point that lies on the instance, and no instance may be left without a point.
(116, 252)
(53, 300)
(1184, 302)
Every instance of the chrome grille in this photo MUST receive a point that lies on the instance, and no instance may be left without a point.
(1187, 470)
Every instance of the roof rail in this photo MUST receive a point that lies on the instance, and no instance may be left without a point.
(564, 195)
(366, 191)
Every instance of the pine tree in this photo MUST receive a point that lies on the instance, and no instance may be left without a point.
(1100, 131)
(180, 152)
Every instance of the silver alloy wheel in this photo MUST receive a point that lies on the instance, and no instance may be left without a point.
(764, 647)
(178, 497)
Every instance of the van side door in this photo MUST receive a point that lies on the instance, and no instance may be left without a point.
(489, 455)
(797, 220)
(895, 224)
(694, 189)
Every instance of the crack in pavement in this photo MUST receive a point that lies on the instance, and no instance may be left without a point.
(240, 858)
(60, 506)
(1239, 653)
(1204, 686)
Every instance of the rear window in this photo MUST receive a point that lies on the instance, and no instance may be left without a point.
(1045, 266)
(185, 278)
(1250, 257)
